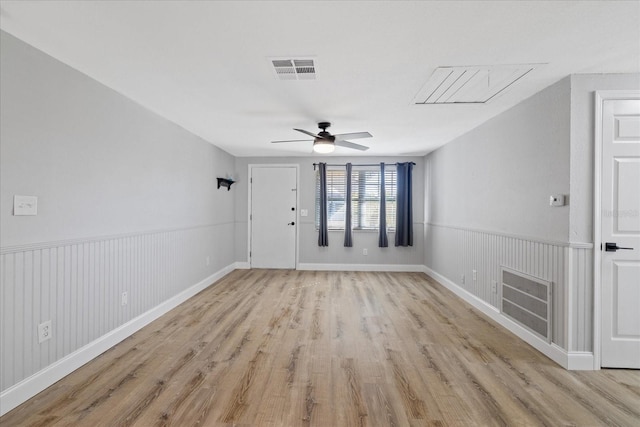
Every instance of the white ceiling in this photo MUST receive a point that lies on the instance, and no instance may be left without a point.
(203, 65)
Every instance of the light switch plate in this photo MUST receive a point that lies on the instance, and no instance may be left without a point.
(25, 205)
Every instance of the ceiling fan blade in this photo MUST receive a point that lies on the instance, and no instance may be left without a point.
(293, 140)
(347, 144)
(353, 135)
(308, 133)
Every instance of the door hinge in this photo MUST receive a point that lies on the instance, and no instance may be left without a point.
(250, 217)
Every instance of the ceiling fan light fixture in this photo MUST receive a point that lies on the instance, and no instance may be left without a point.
(323, 146)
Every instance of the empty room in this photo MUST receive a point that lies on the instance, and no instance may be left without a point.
(322, 213)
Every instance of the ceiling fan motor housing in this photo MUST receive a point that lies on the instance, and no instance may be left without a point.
(323, 133)
(326, 136)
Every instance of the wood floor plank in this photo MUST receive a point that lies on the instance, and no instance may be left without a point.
(302, 348)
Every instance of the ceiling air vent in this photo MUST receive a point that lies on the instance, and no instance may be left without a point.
(470, 84)
(294, 69)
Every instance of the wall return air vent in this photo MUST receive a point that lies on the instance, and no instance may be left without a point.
(294, 69)
(470, 84)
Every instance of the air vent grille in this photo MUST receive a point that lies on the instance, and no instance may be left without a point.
(527, 300)
(294, 69)
(470, 84)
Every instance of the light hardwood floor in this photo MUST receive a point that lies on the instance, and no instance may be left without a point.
(295, 348)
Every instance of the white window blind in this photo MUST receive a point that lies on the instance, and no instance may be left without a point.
(365, 198)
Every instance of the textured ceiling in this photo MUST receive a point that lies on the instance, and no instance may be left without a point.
(204, 65)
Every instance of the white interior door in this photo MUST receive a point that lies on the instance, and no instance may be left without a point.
(273, 217)
(620, 228)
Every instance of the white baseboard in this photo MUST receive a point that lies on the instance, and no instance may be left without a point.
(580, 361)
(568, 360)
(29, 387)
(242, 265)
(410, 268)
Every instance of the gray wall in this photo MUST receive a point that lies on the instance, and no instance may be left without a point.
(127, 201)
(335, 253)
(499, 176)
(99, 163)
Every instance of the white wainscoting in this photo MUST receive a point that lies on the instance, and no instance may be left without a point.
(78, 285)
(455, 251)
(581, 299)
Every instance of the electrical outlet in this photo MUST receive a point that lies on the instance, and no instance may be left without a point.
(494, 286)
(365, 251)
(125, 298)
(44, 331)
(462, 279)
(475, 275)
(208, 260)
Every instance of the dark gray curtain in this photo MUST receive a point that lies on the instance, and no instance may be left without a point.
(383, 242)
(404, 208)
(323, 232)
(348, 234)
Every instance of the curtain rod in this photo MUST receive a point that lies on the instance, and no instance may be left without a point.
(362, 164)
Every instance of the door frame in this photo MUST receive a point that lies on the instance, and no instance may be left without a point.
(600, 97)
(250, 208)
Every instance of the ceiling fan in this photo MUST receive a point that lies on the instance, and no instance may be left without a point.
(324, 142)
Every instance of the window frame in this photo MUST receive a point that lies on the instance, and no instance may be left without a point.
(359, 186)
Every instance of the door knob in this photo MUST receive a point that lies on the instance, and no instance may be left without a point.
(612, 247)
(291, 223)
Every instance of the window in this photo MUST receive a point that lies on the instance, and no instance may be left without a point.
(365, 198)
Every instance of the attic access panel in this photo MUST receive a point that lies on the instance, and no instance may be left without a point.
(470, 84)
